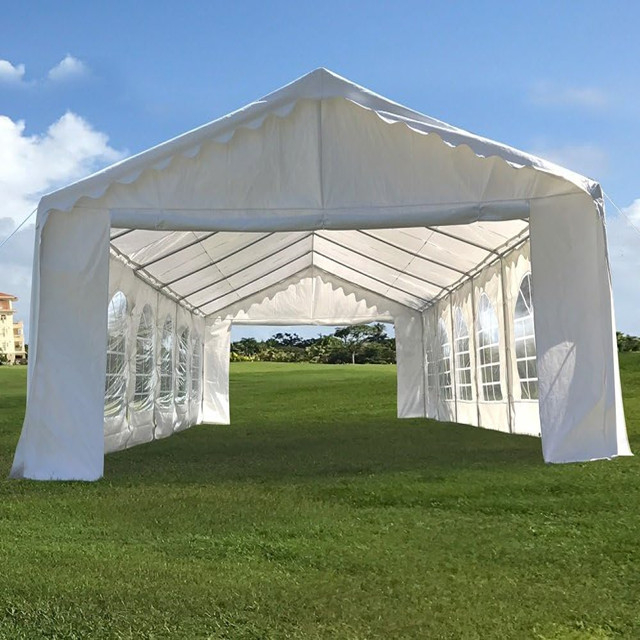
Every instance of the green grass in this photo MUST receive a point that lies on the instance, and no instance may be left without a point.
(319, 515)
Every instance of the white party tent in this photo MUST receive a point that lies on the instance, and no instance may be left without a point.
(322, 203)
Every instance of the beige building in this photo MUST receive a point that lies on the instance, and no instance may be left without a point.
(11, 333)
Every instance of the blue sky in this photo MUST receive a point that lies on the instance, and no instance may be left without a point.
(558, 79)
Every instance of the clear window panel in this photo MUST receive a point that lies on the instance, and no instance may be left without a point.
(488, 338)
(165, 393)
(182, 369)
(463, 357)
(144, 362)
(116, 378)
(525, 341)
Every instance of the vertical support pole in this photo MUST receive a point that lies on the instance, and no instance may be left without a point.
(453, 361)
(425, 383)
(507, 344)
(473, 333)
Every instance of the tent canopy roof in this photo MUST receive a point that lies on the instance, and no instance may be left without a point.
(322, 174)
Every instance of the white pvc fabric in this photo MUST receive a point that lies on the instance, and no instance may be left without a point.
(322, 203)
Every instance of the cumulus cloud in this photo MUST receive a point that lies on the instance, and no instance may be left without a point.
(67, 69)
(623, 236)
(549, 94)
(587, 159)
(10, 73)
(31, 165)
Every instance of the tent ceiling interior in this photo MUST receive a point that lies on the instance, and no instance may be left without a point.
(208, 271)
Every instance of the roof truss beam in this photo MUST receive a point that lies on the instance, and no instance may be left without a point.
(420, 299)
(438, 286)
(245, 267)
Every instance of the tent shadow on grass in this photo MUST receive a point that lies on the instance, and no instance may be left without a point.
(271, 453)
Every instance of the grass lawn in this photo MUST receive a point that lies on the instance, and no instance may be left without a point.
(319, 515)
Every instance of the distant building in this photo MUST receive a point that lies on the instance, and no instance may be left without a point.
(11, 333)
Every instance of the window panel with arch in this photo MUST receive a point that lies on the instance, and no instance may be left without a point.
(196, 368)
(116, 377)
(488, 338)
(525, 341)
(143, 390)
(444, 362)
(165, 393)
(463, 356)
(182, 368)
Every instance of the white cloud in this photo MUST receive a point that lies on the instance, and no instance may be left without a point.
(31, 165)
(587, 159)
(548, 94)
(10, 73)
(68, 68)
(623, 237)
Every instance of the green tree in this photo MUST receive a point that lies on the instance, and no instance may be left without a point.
(627, 342)
(355, 336)
(247, 347)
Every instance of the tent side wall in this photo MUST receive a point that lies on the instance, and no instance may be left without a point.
(580, 395)
(579, 412)
(457, 380)
(161, 371)
(217, 346)
(62, 435)
(410, 358)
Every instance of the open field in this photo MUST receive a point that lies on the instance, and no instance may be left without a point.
(319, 515)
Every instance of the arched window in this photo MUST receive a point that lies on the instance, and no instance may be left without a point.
(196, 368)
(526, 341)
(463, 356)
(488, 332)
(116, 379)
(143, 391)
(165, 394)
(182, 391)
(444, 362)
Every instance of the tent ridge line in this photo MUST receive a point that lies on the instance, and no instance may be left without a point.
(364, 288)
(258, 292)
(240, 299)
(366, 275)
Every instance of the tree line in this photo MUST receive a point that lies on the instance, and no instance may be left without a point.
(627, 342)
(356, 344)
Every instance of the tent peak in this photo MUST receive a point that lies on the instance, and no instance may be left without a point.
(319, 84)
